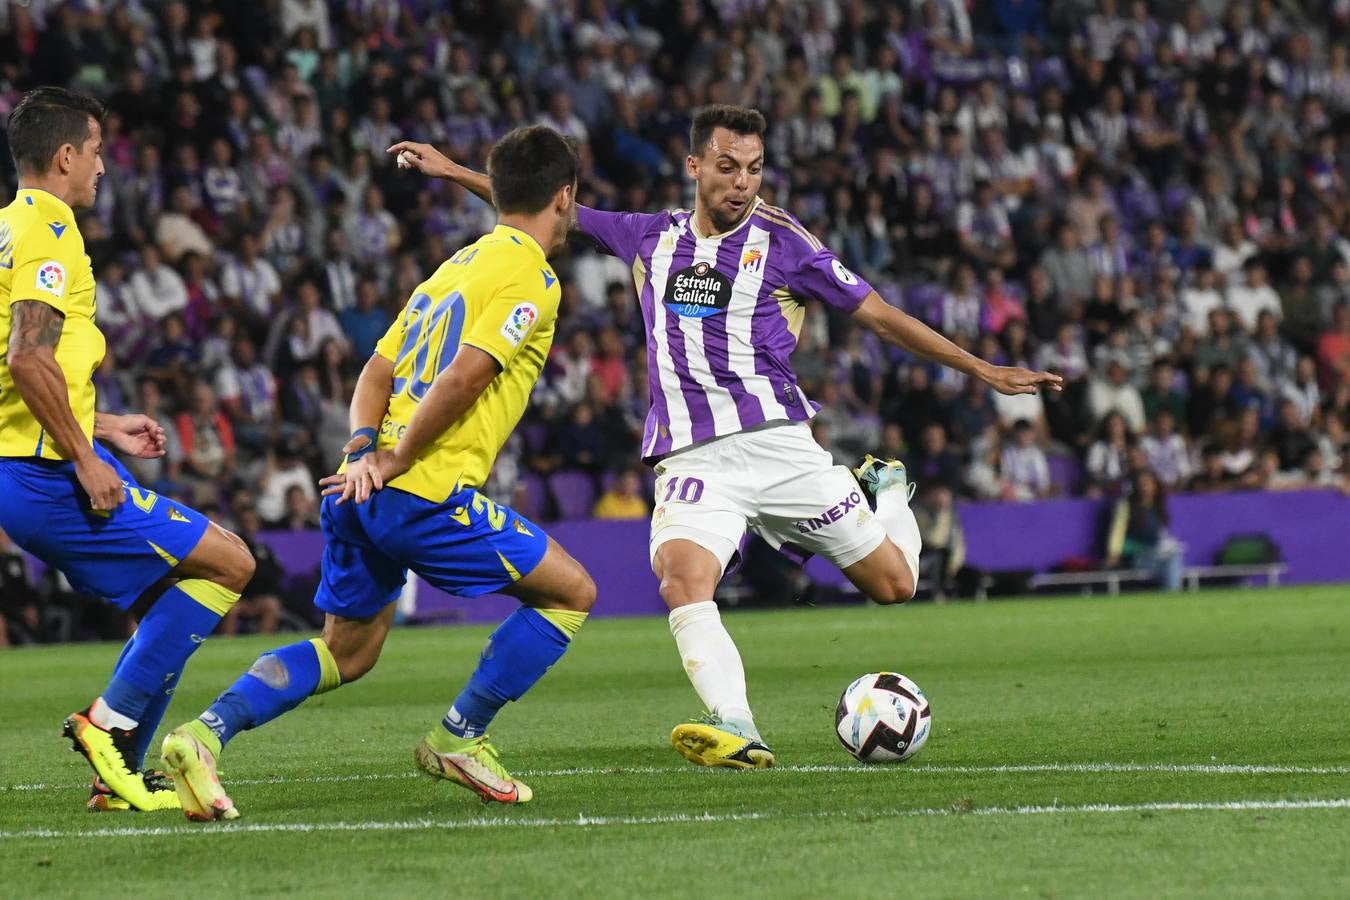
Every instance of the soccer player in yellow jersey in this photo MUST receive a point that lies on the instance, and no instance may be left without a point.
(65, 496)
(433, 406)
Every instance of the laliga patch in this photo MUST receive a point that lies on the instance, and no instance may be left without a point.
(51, 277)
(698, 291)
(843, 274)
(519, 323)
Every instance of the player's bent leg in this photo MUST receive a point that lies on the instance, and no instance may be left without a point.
(558, 594)
(277, 682)
(884, 575)
(113, 731)
(726, 736)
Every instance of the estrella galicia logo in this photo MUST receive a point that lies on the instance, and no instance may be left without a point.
(698, 291)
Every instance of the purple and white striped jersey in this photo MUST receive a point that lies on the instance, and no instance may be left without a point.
(722, 314)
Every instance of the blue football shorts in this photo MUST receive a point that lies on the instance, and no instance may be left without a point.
(116, 555)
(467, 546)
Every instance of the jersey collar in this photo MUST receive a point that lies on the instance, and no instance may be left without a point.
(35, 195)
(520, 237)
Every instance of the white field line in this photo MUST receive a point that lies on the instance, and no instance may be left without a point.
(856, 769)
(584, 821)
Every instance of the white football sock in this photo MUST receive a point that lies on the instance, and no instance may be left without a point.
(897, 518)
(105, 717)
(712, 662)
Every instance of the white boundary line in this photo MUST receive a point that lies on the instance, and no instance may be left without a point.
(855, 769)
(584, 821)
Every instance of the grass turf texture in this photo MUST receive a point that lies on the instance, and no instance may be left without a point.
(332, 806)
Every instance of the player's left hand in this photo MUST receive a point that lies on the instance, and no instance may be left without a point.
(1016, 380)
(137, 435)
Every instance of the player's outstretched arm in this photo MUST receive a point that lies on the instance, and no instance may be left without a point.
(895, 327)
(435, 164)
(35, 330)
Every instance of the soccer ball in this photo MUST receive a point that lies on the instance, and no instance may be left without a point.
(883, 717)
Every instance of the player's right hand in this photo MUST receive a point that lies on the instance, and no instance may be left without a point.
(102, 483)
(424, 158)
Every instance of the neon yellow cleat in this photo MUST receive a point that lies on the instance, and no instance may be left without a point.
(160, 786)
(711, 742)
(471, 762)
(190, 757)
(112, 753)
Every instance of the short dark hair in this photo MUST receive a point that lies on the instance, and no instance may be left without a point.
(529, 166)
(46, 119)
(737, 119)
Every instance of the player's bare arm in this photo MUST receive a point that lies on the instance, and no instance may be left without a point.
(901, 330)
(34, 334)
(370, 403)
(435, 164)
(135, 434)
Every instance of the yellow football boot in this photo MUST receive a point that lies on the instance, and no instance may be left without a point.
(472, 763)
(160, 786)
(112, 753)
(190, 757)
(711, 742)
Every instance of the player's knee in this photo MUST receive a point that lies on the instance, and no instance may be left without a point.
(679, 588)
(239, 568)
(895, 587)
(583, 593)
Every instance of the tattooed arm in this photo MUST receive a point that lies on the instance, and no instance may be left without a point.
(35, 329)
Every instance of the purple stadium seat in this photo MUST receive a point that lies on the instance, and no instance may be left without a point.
(535, 504)
(1065, 472)
(573, 492)
(536, 434)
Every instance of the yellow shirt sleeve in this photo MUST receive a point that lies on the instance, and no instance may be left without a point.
(511, 316)
(46, 259)
(389, 345)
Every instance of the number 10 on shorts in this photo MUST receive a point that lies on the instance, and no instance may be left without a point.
(686, 490)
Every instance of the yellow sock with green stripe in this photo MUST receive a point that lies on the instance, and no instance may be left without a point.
(517, 655)
(278, 681)
(175, 626)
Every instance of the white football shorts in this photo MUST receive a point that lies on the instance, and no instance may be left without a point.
(778, 482)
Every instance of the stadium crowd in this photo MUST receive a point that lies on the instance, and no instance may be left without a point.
(1148, 198)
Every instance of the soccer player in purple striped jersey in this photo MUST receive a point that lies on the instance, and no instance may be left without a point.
(723, 289)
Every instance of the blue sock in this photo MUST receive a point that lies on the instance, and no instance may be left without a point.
(153, 715)
(170, 632)
(279, 681)
(517, 655)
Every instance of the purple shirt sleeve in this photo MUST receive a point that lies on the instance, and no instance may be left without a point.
(820, 275)
(618, 234)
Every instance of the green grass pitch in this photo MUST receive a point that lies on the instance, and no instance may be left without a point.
(1144, 746)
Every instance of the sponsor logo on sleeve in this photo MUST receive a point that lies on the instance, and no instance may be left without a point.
(51, 277)
(519, 323)
(698, 291)
(843, 274)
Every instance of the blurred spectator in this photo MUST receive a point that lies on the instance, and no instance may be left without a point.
(207, 439)
(1107, 458)
(1138, 535)
(20, 615)
(1253, 295)
(1023, 464)
(623, 499)
(1113, 392)
(260, 602)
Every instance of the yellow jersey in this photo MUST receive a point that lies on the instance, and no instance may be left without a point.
(42, 258)
(498, 295)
